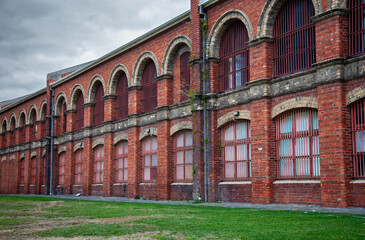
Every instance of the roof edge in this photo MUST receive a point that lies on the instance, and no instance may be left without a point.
(32, 95)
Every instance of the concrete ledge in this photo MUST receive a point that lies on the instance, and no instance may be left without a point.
(120, 184)
(182, 184)
(148, 183)
(236, 183)
(299, 181)
(77, 185)
(96, 185)
(358, 181)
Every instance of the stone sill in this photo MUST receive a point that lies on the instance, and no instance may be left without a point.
(358, 181)
(61, 185)
(182, 184)
(21, 185)
(31, 185)
(120, 184)
(298, 181)
(236, 183)
(77, 185)
(148, 183)
(96, 184)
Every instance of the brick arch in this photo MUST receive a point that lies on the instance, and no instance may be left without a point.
(22, 112)
(293, 103)
(58, 103)
(62, 149)
(33, 154)
(145, 133)
(172, 50)
(12, 119)
(355, 95)
(32, 108)
(79, 146)
(231, 116)
(76, 90)
(271, 10)
(97, 79)
(335, 4)
(187, 125)
(140, 65)
(114, 76)
(2, 123)
(120, 137)
(98, 142)
(41, 107)
(220, 27)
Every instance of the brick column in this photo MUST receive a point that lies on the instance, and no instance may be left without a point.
(109, 105)
(108, 164)
(261, 59)
(262, 151)
(69, 168)
(88, 166)
(134, 162)
(165, 160)
(39, 171)
(334, 145)
(71, 114)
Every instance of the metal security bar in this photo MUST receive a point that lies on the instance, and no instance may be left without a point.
(184, 75)
(294, 38)
(121, 102)
(234, 54)
(358, 137)
(236, 151)
(79, 115)
(149, 88)
(297, 144)
(99, 106)
(356, 27)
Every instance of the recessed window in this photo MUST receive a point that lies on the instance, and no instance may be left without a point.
(99, 106)
(121, 102)
(33, 170)
(184, 75)
(356, 27)
(79, 167)
(149, 88)
(61, 169)
(121, 162)
(98, 164)
(183, 150)
(79, 115)
(149, 159)
(358, 137)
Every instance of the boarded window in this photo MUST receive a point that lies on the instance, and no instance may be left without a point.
(61, 168)
(149, 159)
(356, 27)
(294, 38)
(297, 143)
(79, 167)
(185, 75)
(99, 106)
(358, 137)
(236, 151)
(184, 156)
(121, 102)
(121, 162)
(149, 88)
(79, 115)
(98, 164)
(234, 54)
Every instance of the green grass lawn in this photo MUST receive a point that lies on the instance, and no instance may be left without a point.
(72, 218)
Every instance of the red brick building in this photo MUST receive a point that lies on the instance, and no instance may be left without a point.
(243, 101)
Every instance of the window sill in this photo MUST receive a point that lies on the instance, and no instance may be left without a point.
(297, 181)
(96, 184)
(120, 184)
(21, 185)
(61, 185)
(236, 183)
(77, 185)
(148, 183)
(31, 185)
(358, 181)
(182, 184)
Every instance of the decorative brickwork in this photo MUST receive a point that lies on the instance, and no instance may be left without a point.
(114, 76)
(148, 132)
(355, 94)
(299, 102)
(232, 116)
(140, 65)
(187, 125)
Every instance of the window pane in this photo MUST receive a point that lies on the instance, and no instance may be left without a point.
(302, 146)
(180, 157)
(147, 145)
(360, 141)
(180, 140)
(154, 160)
(125, 174)
(285, 148)
(286, 125)
(189, 157)
(147, 160)
(229, 167)
(241, 130)
(242, 170)
(179, 172)
(147, 176)
(229, 153)
(188, 139)
(286, 167)
(302, 121)
(241, 152)
(229, 134)
(188, 172)
(125, 148)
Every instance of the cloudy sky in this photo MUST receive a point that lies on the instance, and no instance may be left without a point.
(42, 36)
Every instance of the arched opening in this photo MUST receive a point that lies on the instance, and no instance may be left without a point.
(4, 136)
(121, 102)
(356, 27)
(149, 87)
(79, 115)
(34, 127)
(98, 116)
(184, 75)
(22, 128)
(358, 137)
(13, 131)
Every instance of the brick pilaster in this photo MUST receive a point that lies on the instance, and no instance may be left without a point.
(261, 55)
(165, 160)
(108, 164)
(134, 162)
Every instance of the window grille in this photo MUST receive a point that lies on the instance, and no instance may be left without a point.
(99, 106)
(79, 167)
(149, 159)
(22, 171)
(149, 88)
(79, 115)
(297, 144)
(4, 139)
(234, 54)
(33, 163)
(22, 130)
(121, 104)
(13, 134)
(184, 75)
(34, 128)
(236, 151)
(63, 120)
(99, 164)
(61, 169)
(294, 38)
(121, 162)
(184, 156)
(358, 137)
(356, 27)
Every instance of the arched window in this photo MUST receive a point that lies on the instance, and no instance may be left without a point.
(22, 171)
(13, 134)
(79, 115)
(63, 118)
(61, 169)
(121, 102)
(356, 27)
(234, 54)
(297, 143)
(185, 75)
(33, 170)
(4, 137)
(121, 162)
(79, 167)
(149, 159)
(99, 106)
(183, 151)
(22, 129)
(98, 164)
(236, 150)
(34, 127)
(358, 137)
(44, 121)
(294, 37)
(149, 88)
